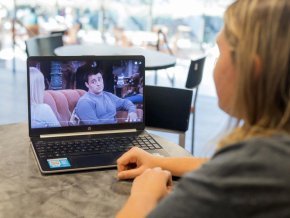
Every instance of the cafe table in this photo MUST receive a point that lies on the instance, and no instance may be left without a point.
(154, 60)
(25, 192)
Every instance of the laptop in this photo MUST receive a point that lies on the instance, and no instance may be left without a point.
(85, 111)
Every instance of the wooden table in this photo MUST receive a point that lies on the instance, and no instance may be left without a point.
(24, 192)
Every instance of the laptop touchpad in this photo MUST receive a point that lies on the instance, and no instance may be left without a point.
(93, 160)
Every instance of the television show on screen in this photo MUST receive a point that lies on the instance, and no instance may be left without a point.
(91, 92)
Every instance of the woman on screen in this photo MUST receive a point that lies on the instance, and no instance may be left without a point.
(41, 114)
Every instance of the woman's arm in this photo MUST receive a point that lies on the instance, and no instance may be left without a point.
(180, 165)
(136, 160)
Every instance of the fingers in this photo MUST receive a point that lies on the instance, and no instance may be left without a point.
(130, 174)
(165, 173)
(125, 159)
(154, 182)
(169, 178)
(133, 158)
(133, 163)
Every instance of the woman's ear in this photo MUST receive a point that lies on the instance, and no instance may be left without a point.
(257, 66)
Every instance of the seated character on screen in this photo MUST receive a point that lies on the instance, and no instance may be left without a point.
(135, 93)
(98, 106)
(41, 113)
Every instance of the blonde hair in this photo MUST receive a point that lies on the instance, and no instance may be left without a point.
(36, 86)
(259, 30)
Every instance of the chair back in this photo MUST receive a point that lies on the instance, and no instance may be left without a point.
(43, 45)
(167, 108)
(194, 77)
(195, 73)
(62, 103)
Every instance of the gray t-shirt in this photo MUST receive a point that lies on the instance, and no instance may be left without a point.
(102, 108)
(248, 179)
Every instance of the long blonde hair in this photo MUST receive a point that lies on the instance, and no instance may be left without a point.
(259, 30)
(36, 86)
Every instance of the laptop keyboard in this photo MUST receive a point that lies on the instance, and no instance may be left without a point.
(63, 148)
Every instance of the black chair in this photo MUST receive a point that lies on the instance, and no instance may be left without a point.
(43, 45)
(194, 78)
(168, 109)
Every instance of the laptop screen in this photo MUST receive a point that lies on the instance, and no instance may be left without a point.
(86, 91)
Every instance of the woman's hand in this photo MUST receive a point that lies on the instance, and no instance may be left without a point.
(152, 184)
(134, 162)
(147, 190)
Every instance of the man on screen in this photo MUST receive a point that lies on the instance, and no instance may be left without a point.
(98, 106)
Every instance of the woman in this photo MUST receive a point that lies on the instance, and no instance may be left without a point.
(41, 113)
(249, 175)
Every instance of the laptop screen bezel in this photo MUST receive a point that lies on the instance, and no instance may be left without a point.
(36, 132)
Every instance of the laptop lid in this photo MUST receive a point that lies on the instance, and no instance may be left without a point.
(61, 89)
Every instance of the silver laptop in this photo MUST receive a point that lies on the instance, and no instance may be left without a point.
(86, 111)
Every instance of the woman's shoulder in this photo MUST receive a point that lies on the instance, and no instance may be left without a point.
(237, 182)
(257, 146)
(256, 157)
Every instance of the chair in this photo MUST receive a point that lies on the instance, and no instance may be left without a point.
(43, 45)
(193, 80)
(62, 103)
(168, 109)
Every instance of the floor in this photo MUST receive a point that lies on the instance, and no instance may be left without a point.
(210, 120)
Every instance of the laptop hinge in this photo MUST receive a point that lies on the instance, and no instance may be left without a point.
(87, 133)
